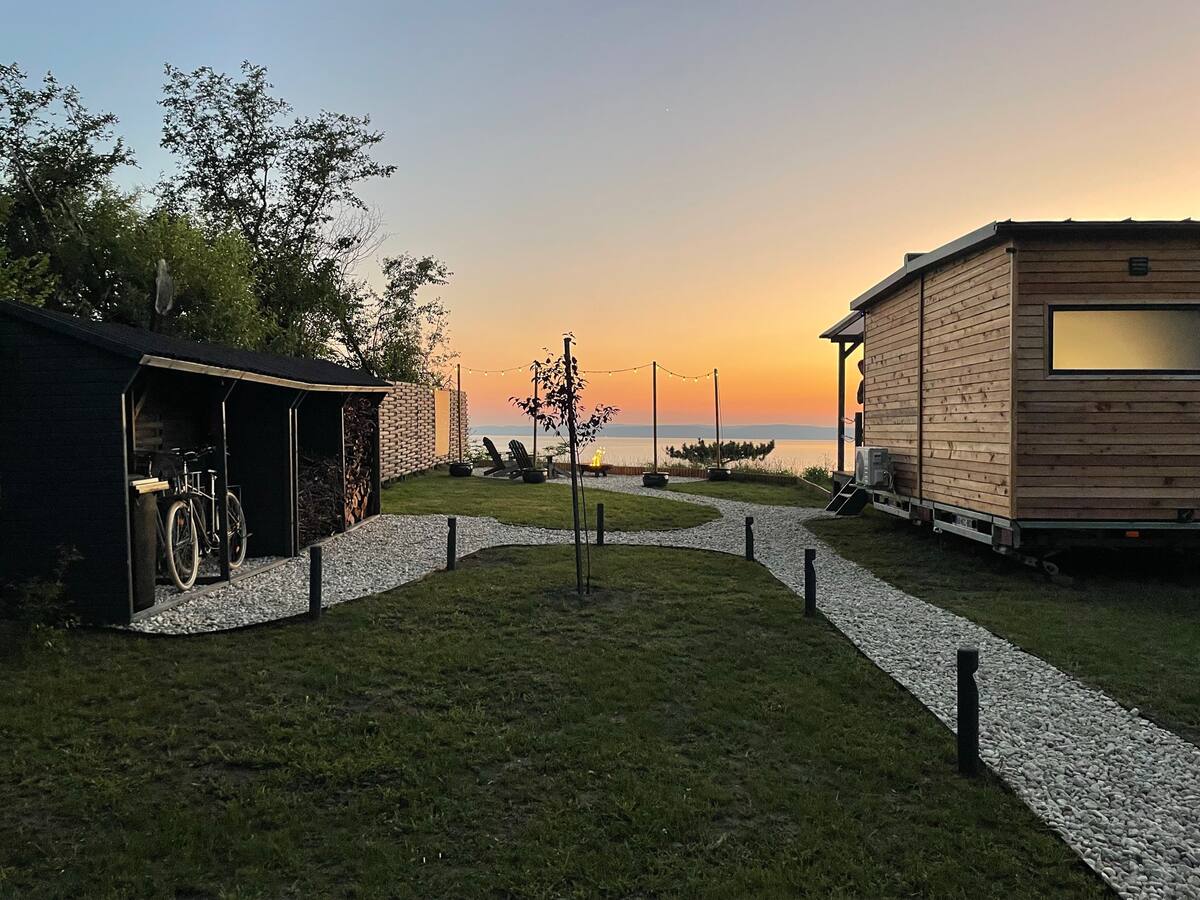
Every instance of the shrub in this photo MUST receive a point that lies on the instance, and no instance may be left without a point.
(477, 454)
(37, 603)
(703, 453)
(818, 474)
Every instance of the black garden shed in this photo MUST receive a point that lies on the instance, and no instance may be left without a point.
(82, 403)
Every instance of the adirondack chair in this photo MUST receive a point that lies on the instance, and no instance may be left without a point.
(499, 465)
(521, 455)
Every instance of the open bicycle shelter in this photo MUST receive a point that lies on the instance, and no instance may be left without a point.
(85, 407)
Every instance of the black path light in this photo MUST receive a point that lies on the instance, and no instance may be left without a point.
(968, 710)
(451, 543)
(750, 538)
(810, 582)
(314, 581)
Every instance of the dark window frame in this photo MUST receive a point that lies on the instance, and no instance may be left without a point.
(1051, 309)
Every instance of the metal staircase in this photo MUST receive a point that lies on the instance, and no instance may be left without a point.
(849, 501)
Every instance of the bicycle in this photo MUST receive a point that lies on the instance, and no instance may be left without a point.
(188, 517)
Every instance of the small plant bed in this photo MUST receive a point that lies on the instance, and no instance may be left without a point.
(541, 505)
(798, 494)
(1129, 623)
(683, 731)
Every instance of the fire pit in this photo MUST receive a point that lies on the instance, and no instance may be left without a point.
(533, 476)
(718, 473)
(654, 479)
(460, 469)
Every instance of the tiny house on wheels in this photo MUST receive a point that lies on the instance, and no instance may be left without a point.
(92, 415)
(1033, 385)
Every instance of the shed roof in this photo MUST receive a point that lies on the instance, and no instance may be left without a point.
(915, 263)
(164, 351)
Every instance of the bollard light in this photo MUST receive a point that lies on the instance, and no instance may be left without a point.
(810, 582)
(314, 581)
(968, 711)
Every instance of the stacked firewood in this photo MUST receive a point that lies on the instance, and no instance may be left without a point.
(361, 429)
(320, 497)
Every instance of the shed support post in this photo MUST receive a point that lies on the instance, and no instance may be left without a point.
(294, 468)
(224, 389)
(375, 504)
(841, 409)
(342, 456)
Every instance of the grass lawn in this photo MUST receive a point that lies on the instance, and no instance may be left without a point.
(1128, 624)
(801, 494)
(544, 505)
(684, 731)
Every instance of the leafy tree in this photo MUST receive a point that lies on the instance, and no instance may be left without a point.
(214, 286)
(395, 334)
(262, 227)
(245, 163)
(56, 165)
(703, 453)
(27, 279)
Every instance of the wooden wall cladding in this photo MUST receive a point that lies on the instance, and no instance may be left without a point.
(965, 439)
(890, 377)
(1103, 446)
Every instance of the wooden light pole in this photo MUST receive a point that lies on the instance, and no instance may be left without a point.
(458, 400)
(654, 408)
(717, 407)
(535, 411)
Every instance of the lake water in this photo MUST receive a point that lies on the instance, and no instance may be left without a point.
(636, 451)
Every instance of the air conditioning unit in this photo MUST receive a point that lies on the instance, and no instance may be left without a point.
(873, 468)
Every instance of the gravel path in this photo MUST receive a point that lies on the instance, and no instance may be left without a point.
(1124, 793)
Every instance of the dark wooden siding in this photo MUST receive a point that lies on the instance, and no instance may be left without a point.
(261, 464)
(1099, 446)
(62, 463)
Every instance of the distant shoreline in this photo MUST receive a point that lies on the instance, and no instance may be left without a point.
(728, 432)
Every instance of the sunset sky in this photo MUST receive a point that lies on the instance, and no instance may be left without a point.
(705, 184)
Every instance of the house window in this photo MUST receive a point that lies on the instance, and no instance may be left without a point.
(1162, 340)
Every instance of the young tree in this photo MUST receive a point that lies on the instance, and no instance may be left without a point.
(557, 404)
(553, 401)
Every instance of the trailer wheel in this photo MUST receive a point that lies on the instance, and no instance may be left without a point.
(1049, 568)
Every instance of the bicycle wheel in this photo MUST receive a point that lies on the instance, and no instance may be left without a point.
(182, 551)
(237, 531)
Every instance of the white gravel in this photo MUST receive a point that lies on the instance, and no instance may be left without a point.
(1124, 793)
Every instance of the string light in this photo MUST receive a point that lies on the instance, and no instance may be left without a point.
(609, 372)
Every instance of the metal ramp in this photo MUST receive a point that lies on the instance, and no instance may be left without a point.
(849, 501)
